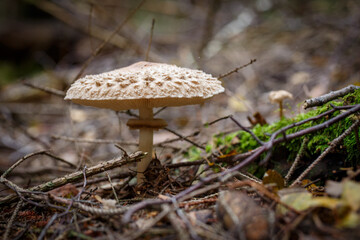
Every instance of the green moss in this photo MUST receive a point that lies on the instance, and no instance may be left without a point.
(317, 143)
(193, 154)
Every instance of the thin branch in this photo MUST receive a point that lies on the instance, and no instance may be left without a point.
(318, 101)
(76, 176)
(299, 155)
(112, 186)
(236, 69)
(177, 139)
(44, 152)
(150, 40)
(93, 210)
(216, 120)
(87, 140)
(49, 90)
(247, 130)
(185, 138)
(179, 228)
(183, 217)
(333, 144)
(159, 111)
(11, 220)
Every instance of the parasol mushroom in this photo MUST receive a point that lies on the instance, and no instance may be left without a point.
(278, 97)
(144, 86)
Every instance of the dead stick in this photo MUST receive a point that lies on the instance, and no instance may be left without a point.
(318, 101)
(11, 221)
(333, 144)
(237, 69)
(77, 176)
(297, 159)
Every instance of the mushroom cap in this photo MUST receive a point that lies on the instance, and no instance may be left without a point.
(278, 96)
(144, 84)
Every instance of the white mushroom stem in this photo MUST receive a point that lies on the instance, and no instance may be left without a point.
(145, 143)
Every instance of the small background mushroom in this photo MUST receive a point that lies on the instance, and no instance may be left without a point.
(279, 97)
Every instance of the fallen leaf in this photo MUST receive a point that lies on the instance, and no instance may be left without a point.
(274, 179)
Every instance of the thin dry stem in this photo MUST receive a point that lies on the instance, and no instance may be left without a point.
(333, 144)
(150, 40)
(236, 69)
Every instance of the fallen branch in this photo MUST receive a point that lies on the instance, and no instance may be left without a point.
(333, 144)
(76, 176)
(318, 101)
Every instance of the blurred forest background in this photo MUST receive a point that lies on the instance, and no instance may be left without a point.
(305, 47)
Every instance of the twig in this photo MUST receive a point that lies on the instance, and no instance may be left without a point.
(11, 220)
(93, 210)
(237, 69)
(333, 144)
(217, 160)
(185, 138)
(181, 214)
(49, 90)
(150, 40)
(247, 130)
(159, 111)
(102, 179)
(112, 187)
(76, 176)
(217, 120)
(84, 184)
(299, 155)
(177, 139)
(44, 152)
(179, 229)
(192, 134)
(318, 101)
(86, 140)
(49, 154)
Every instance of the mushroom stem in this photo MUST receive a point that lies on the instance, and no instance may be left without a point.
(145, 143)
(281, 109)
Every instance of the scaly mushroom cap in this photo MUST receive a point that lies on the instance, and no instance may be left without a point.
(144, 84)
(279, 96)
